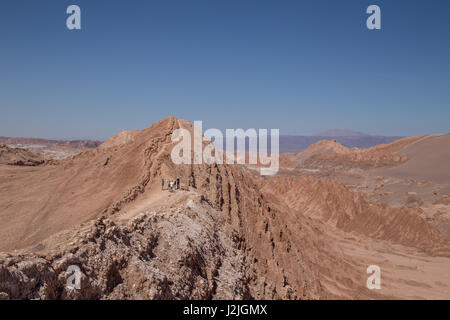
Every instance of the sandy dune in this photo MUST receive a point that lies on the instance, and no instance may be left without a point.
(428, 159)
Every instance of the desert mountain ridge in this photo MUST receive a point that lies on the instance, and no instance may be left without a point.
(50, 149)
(226, 233)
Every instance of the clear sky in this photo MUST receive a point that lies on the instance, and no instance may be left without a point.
(300, 66)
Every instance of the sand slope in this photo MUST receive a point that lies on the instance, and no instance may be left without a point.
(428, 159)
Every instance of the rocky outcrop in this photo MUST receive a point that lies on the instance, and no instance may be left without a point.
(182, 254)
(19, 157)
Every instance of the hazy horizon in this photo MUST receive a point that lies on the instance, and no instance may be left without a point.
(352, 133)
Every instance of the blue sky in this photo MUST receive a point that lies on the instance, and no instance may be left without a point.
(301, 66)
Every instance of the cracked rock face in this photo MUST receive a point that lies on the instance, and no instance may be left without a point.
(181, 254)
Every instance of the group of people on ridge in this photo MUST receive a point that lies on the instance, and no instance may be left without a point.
(173, 184)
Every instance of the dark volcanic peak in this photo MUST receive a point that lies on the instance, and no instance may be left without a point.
(341, 133)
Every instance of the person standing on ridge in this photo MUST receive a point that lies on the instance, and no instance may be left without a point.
(178, 184)
(162, 184)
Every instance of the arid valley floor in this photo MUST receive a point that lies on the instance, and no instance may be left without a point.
(309, 232)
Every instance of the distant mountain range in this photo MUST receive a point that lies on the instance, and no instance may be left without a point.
(46, 142)
(288, 143)
(350, 139)
(296, 144)
(341, 133)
